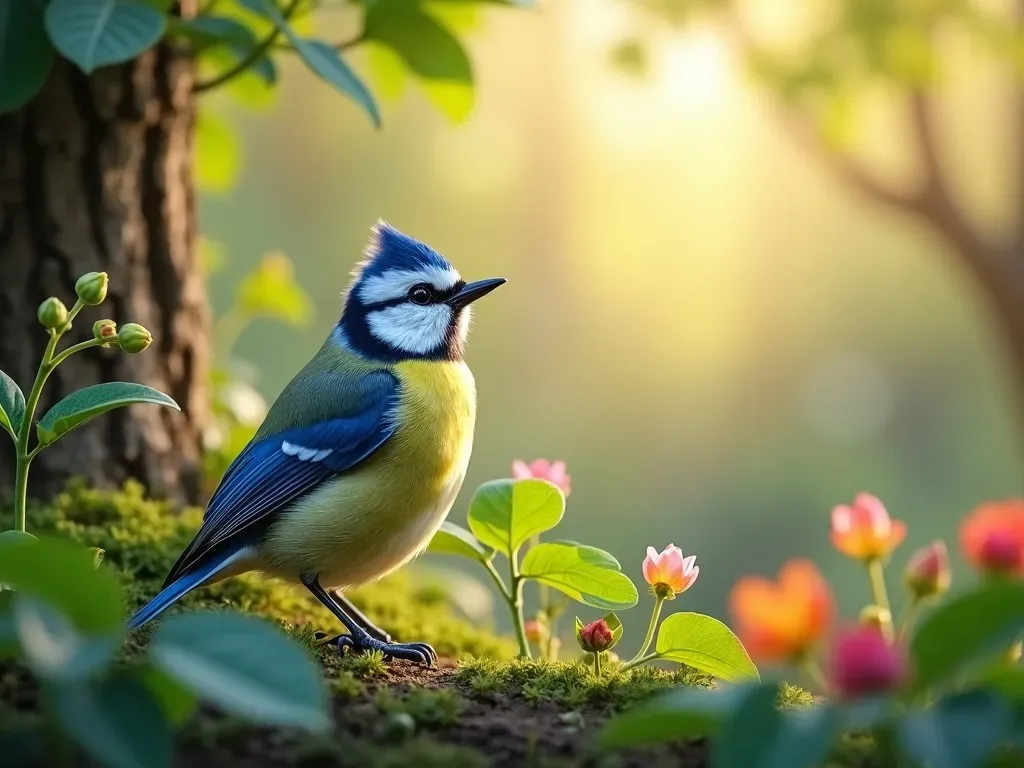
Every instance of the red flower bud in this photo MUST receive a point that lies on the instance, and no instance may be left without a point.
(595, 636)
(927, 573)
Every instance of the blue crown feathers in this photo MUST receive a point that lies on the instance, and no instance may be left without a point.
(390, 249)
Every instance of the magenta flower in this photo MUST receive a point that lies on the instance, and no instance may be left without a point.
(542, 469)
(864, 663)
(669, 569)
(595, 637)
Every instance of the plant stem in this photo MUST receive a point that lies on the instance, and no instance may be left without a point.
(516, 604)
(909, 617)
(816, 676)
(655, 615)
(597, 663)
(876, 572)
(77, 348)
(640, 660)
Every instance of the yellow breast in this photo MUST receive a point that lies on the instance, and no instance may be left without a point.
(368, 522)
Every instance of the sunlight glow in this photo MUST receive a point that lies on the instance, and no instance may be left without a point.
(693, 72)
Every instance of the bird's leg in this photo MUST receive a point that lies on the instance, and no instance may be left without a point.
(346, 605)
(359, 639)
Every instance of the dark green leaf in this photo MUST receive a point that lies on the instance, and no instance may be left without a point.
(452, 539)
(204, 31)
(96, 33)
(117, 721)
(83, 405)
(681, 714)
(966, 630)
(64, 576)
(53, 647)
(176, 701)
(706, 644)
(245, 666)
(12, 401)
(8, 633)
(580, 574)
(25, 60)
(961, 731)
(504, 514)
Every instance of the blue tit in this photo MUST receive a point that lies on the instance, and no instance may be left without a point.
(361, 457)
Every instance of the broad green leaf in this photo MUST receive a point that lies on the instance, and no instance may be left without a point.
(706, 644)
(176, 701)
(271, 290)
(244, 665)
(594, 554)
(64, 576)
(12, 401)
(1003, 679)
(205, 31)
(504, 514)
(680, 714)
(9, 537)
(323, 58)
(959, 732)
(25, 58)
(387, 71)
(96, 33)
(53, 647)
(218, 153)
(83, 405)
(452, 539)
(117, 721)
(966, 630)
(8, 632)
(579, 574)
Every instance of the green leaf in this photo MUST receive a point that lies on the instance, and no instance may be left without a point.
(83, 405)
(452, 539)
(53, 647)
(271, 290)
(25, 58)
(504, 514)
(243, 665)
(966, 630)
(64, 576)
(117, 721)
(576, 572)
(205, 31)
(706, 644)
(961, 731)
(97, 33)
(429, 49)
(321, 57)
(680, 714)
(12, 400)
(594, 554)
(176, 701)
(9, 644)
(218, 153)
(615, 626)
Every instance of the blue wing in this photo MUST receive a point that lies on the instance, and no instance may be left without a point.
(275, 470)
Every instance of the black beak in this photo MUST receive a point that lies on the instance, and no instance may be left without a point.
(473, 291)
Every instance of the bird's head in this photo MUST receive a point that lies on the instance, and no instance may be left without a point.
(406, 301)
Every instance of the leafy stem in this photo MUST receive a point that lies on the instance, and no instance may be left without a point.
(815, 675)
(77, 348)
(516, 604)
(659, 601)
(597, 663)
(876, 573)
(636, 662)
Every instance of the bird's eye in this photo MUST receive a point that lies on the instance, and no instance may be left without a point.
(420, 294)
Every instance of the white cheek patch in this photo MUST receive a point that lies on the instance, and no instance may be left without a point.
(395, 283)
(305, 454)
(411, 328)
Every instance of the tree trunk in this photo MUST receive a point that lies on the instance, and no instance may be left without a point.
(95, 175)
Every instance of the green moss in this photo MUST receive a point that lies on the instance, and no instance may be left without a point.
(428, 707)
(571, 684)
(794, 697)
(423, 752)
(365, 666)
(345, 685)
(143, 537)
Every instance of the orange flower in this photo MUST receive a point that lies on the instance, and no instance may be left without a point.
(864, 530)
(782, 621)
(993, 537)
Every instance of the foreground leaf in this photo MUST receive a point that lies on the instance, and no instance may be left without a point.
(966, 630)
(452, 539)
(96, 33)
(706, 644)
(176, 701)
(117, 721)
(54, 649)
(961, 731)
(12, 401)
(580, 574)
(25, 54)
(243, 665)
(504, 514)
(84, 405)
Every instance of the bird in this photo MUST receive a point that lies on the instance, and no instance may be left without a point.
(359, 459)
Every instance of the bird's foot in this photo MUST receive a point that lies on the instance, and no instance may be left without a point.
(322, 638)
(420, 653)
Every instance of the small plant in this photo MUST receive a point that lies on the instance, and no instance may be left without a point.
(945, 691)
(17, 413)
(507, 515)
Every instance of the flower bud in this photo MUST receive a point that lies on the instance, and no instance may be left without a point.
(927, 573)
(52, 313)
(105, 330)
(534, 631)
(133, 338)
(595, 636)
(875, 617)
(92, 287)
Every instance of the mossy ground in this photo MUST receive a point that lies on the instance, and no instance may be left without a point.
(485, 710)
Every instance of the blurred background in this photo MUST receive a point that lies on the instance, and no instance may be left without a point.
(716, 332)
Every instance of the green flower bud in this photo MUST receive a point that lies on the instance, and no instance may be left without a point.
(105, 330)
(92, 287)
(133, 338)
(52, 313)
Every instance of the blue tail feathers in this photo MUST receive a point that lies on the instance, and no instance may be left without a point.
(173, 592)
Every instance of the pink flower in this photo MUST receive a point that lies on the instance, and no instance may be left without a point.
(670, 569)
(863, 663)
(864, 530)
(993, 537)
(595, 636)
(542, 469)
(927, 573)
(534, 630)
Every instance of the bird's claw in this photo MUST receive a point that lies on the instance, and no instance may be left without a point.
(421, 653)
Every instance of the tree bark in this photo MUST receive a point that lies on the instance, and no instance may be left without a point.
(95, 175)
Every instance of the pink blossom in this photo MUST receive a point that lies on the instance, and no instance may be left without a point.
(542, 469)
(670, 568)
(864, 663)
